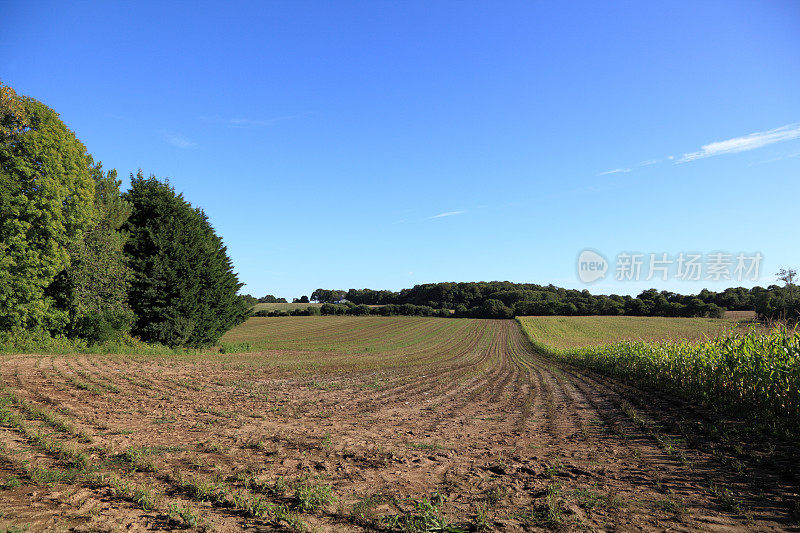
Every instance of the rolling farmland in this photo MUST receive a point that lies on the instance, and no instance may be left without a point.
(372, 424)
(564, 332)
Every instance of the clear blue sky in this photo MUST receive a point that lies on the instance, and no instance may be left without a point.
(324, 138)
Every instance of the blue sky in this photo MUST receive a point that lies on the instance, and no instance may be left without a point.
(381, 145)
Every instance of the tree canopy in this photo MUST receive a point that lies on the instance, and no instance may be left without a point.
(469, 299)
(94, 288)
(46, 204)
(184, 289)
(80, 259)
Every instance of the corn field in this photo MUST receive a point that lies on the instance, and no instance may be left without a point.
(752, 373)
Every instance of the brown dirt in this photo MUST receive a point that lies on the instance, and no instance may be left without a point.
(494, 434)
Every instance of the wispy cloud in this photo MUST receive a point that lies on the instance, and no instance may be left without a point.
(648, 162)
(178, 140)
(778, 158)
(615, 171)
(448, 214)
(730, 146)
(745, 143)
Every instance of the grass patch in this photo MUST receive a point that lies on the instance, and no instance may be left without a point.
(309, 497)
(184, 515)
(11, 482)
(363, 511)
(49, 476)
(671, 505)
(425, 516)
(548, 514)
(591, 499)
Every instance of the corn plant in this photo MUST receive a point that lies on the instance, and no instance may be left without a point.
(751, 373)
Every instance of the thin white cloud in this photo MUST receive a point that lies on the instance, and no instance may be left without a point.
(180, 141)
(745, 143)
(648, 162)
(730, 146)
(779, 158)
(448, 214)
(615, 171)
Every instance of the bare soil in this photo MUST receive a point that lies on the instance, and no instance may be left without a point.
(484, 434)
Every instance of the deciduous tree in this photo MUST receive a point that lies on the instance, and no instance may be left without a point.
(46, 204)
(93, 288)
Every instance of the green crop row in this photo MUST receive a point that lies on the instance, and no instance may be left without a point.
(752, 373)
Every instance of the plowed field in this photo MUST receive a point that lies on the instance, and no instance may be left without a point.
(372, 424)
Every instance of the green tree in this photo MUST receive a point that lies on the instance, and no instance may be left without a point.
(249, 299)
(93, 289)
(791, 310)
(14, 117)
(493, 309)
(327, 296)
(184, 290)
(46, 205)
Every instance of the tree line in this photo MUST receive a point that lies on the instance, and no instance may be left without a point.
(504, 299)
(81, 259)
(781, 303)
(351, 309)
